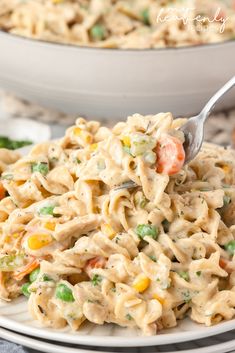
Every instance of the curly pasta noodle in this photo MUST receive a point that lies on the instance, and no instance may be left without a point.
(92, 230)
(120, 24)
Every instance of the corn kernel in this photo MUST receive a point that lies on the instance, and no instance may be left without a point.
(16, 235)
(57, 1)
(39, 240)
(161, 300)
(93, 147)
(19, 182)
(87, 137)
(50, 226)
(108, 230)
(77, 131)
(141, 283)
(7, 239)
(126, 141)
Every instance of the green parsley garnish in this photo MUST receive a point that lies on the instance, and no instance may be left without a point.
(129, 317)
(40, 167)
(96, 280)
(47, 210)
(184, 275)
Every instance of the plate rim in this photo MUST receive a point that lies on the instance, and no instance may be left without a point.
(48, 347)
(118, 341)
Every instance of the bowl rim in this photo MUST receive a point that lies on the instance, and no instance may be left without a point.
(46, 43)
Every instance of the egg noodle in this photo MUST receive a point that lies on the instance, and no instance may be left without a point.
(119, 23)
(107, 225)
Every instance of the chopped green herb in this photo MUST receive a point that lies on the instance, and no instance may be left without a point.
(227, 200)
(11, 262)
(40, 167)
(186, 296)
(153, 258)
(78, 161)
(25, 289)
(145, 16)
(96, 280)
(184, 275)
(7, 176)
(47, 210)
(46, 278)
(127, 150)
(150, 230)
(129, 317)
(54, 159)
(198, 273)
(64, 293)
(230, 247)
(143, 203)
(6, 142)
(101, 164)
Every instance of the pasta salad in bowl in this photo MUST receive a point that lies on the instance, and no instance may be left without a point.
(109, 226)
(138, 24)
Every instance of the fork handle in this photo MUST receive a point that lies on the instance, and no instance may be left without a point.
(210, 105)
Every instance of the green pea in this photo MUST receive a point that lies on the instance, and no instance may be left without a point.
(34, 275)
(98, 32)
(145, 17)
(25, 289)
(184, 275)
(230, 247)
(40, 167)
(143, 230)
(47, 210)
(64, 293)
(227, 200)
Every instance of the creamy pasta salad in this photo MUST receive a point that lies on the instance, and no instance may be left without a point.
(121, 23)
(108, 225)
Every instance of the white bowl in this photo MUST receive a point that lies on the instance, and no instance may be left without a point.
(105, 83)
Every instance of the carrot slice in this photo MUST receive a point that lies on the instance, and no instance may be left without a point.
(23, 271)
(96, 262)
(2, 191)
(170, 155)
(224, 264)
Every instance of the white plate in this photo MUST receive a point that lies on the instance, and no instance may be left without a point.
(15, 316)
(111, 83)
(216, 344)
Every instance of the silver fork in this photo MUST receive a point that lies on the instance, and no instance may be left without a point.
(194, 128)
